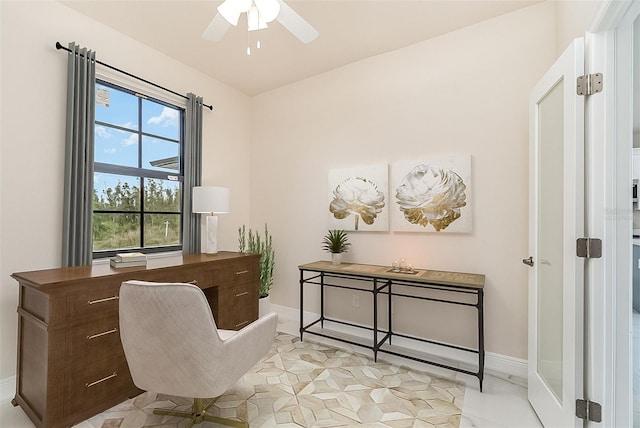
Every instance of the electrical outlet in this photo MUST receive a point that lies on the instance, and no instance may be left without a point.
(355, 301)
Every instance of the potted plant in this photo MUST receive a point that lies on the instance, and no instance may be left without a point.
(336, 242)
(251, 242)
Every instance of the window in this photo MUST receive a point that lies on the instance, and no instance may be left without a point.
(138, 173)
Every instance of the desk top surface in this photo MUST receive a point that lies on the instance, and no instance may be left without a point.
(49, 277)
(460, 279)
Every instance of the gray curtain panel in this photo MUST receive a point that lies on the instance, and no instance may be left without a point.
(192, 173)
(78, 174)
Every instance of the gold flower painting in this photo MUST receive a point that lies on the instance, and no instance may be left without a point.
(358, 198)
(432, 195)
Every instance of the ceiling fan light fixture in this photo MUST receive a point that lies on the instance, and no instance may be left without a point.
(231, 10)
(259, 13)
(243, 5)
(269, 9)
(254, 19)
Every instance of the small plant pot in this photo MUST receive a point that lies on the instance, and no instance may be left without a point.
(336, 258)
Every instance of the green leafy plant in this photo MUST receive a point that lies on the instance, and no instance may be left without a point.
(336, 241)
(251, 242)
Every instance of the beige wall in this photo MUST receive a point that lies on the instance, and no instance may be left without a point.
(573, 18)
(32, 137)
(462, 93)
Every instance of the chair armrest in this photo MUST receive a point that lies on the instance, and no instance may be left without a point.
(250, 345)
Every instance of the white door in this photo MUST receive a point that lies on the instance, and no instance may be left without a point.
(556, 220)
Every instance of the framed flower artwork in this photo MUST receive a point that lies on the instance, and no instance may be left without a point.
(358, 198)
(432, 195)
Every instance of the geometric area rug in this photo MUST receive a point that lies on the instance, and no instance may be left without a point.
(307, 384)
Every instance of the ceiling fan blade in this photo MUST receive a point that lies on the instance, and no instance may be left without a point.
(216, 29)
(296, 24)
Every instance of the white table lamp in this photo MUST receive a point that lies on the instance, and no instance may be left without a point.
(211, 200)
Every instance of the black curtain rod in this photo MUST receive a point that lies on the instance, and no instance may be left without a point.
(59, 46)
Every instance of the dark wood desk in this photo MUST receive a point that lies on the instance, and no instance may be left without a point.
(71, 365)
(383, 281)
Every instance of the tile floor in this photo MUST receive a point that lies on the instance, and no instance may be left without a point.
(312, 384)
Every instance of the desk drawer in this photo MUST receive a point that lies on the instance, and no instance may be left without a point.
(93, 303)
(241, 306)
(89, 386)
(233, 274)
(96, 339)
(241, 273)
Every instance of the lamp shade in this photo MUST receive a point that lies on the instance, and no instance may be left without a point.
(210, 199)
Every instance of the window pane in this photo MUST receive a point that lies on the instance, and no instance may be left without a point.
(142, 138)
(160, 154)
(161, 120)
(161, 229)
(115, 231)
(121, 108)
(115, 147)
(116, 192)
(162, 195)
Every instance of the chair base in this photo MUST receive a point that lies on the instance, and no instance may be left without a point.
(198, 414)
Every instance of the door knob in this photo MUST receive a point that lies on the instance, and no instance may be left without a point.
(528, 261)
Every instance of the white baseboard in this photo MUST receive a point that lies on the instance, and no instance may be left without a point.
(7, 389)
(289, 322)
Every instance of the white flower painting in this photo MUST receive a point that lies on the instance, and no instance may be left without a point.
(432, 195)
(358, 198)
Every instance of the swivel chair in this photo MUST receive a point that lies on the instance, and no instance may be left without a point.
(173, 347)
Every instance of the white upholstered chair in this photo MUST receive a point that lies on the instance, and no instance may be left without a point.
(173, 347)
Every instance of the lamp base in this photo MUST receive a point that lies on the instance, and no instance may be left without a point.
(212, 234)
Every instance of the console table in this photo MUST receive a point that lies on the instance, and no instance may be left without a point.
(385, 281)
(71, 364)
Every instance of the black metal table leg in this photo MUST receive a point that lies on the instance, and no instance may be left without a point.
(389, 310)
(480, 337)
(301, 303)
(322, 300)
(375, 319)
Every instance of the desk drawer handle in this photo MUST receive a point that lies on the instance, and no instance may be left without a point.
(242, 323)
(242, 294)
(107, 299)
(104, 333)
(242, 272)
(111, 376)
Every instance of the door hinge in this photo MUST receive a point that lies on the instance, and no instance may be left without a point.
(589, 84)
(588, 410)
(590, 248)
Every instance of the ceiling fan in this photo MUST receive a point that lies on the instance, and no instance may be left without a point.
(259, 14)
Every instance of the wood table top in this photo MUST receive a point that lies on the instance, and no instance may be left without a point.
(461, 279)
